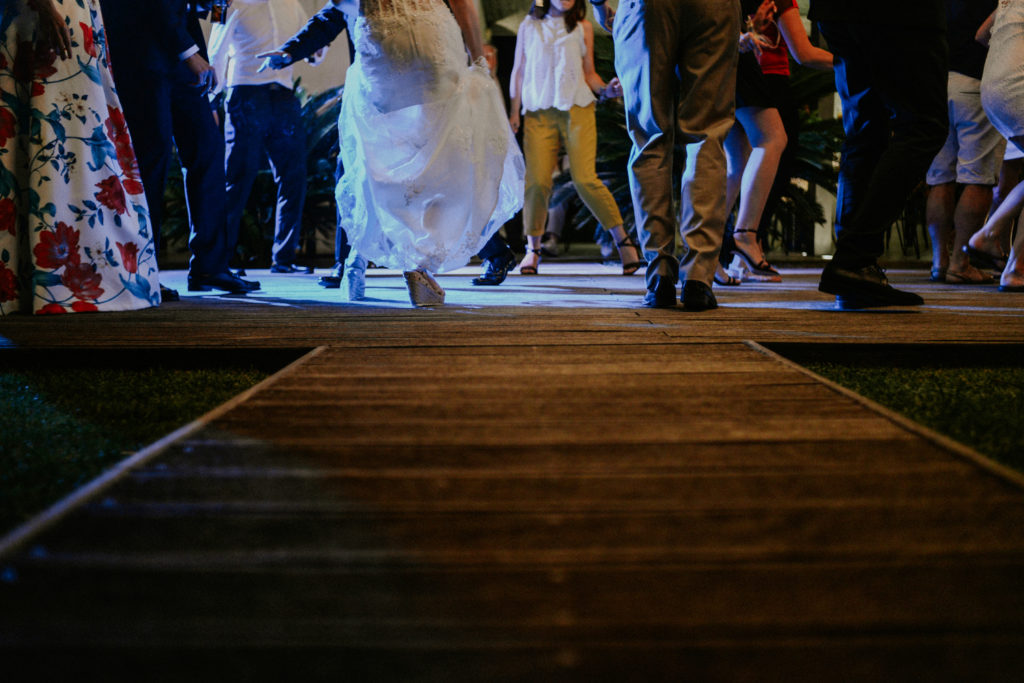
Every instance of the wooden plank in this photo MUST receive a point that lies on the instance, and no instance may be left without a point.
(528, 493)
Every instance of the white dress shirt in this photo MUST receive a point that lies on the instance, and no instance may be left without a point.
(253, 27)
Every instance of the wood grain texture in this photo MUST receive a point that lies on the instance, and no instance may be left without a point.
(543, 492)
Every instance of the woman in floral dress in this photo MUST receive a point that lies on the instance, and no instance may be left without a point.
(74, 234)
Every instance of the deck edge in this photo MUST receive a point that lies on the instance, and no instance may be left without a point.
(965, 452)
(57, 511)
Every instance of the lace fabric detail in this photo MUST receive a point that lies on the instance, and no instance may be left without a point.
(431, 167)
(396, 8)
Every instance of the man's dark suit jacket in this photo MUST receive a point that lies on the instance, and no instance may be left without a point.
(151, 35)
(318, 32)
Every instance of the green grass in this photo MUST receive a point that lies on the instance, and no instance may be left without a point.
(974, 395)
(61, 426)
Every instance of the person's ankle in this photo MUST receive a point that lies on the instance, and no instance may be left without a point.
(959, 263)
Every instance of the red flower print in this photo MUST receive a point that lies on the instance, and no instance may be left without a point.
(111, 194)
(34, 63)
(8, 215)
(8, 283)
(8, 126)
(130, 256)
(117, 131)
(51, 309)
(84, 307)
(83, 280)
(87, 39)
(57, 247)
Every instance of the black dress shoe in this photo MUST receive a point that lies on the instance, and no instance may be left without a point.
(662, 296)
(332, 281)
(496, 269)
(698, 296)
(226, 280)
(289, 268)
(865, 287)
(167, 294)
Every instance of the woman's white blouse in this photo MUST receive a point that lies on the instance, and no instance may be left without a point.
(553, 72)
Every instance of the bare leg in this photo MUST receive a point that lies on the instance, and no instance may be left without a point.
(994, 237)
(767, 136)
(1013, 274)
(967, 220)
(1011, 173)
(1001, 220)
(939, 214)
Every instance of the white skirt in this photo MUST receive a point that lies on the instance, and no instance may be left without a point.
(432, 169)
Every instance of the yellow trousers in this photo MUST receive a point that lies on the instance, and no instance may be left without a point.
(543, 134)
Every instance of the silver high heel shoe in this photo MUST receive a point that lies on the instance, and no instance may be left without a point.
(353, 282)
(423, 288)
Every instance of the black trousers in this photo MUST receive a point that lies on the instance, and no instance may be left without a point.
(160, 109)
(892, 83)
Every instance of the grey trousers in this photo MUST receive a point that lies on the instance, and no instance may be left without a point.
(676, 60)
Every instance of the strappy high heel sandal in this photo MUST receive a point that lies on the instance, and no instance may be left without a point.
(630, 267)
(761, 269)
(529, 269)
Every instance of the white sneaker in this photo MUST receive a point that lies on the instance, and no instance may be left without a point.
(353, 282)
(423, 288)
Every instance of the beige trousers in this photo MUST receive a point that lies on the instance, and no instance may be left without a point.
(676, 60)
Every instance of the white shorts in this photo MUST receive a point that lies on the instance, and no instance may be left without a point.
(974, 148)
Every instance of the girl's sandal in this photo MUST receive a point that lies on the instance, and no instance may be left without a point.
(638, 262)
(529, 268)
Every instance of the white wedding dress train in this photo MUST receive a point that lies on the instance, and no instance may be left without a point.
(432, 169)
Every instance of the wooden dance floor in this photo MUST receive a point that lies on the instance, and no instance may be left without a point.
(540, 481)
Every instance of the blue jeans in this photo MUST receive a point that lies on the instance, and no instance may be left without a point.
(266, 119)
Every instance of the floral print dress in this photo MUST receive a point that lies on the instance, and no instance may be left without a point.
(74, 229)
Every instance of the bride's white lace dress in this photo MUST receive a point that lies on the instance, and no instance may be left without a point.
(431, 167)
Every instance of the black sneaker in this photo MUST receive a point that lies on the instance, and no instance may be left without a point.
(865, 287)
